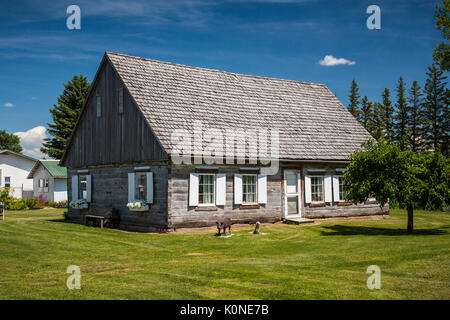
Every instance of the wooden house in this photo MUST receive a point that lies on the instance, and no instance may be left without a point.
(49, 180)
(140, 114)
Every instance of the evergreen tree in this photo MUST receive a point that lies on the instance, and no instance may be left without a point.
(386, 115)
(10, 142)
(442, 50)
(436, 125)
(366, 113)
(65, 115)
(375, 122)
(353, 106)
(415, 117)
(401, 117)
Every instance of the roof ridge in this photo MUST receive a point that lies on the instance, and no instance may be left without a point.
(214, 70)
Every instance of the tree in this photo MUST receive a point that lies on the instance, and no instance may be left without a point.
(384, 171)
(9, 141)
(65, 115)
(386, 115)
(436, 178)
(436, 126)
(415, 117)
(442, 51)
(375, 127)
(401, 117)
(353, 106)
(366, 113)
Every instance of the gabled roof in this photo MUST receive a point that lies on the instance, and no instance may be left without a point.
(52, 166)
(312, 122)
(6, 151)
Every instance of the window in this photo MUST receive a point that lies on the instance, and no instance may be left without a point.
(99, 106)
(341, 188)
(82, 187)
(249, 183)
(7, 182)
(121, 100)
(317, 189)
(41, 183)
(206, 189)
(140, 188)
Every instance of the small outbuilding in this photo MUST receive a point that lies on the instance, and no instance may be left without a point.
(49, 180)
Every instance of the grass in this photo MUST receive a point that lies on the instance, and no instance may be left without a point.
(326, 261)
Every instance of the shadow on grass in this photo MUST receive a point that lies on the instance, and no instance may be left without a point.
(337, 230)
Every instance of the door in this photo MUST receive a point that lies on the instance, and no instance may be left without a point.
(292, 191)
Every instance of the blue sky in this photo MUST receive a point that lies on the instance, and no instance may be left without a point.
(274, 38)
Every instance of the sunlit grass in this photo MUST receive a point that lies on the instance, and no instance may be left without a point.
(326, 261)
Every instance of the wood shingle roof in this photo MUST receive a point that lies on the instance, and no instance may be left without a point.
(312, 123)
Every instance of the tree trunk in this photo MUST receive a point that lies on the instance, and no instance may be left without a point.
(409, 208)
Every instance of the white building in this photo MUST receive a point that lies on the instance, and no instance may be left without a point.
(50, 180)
(14, 170)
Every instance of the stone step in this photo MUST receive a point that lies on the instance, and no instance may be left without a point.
(298, 221)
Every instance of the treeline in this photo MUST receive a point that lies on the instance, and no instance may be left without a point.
(413, 118)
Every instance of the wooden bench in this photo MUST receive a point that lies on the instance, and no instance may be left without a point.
(90, 217)
(105, 217)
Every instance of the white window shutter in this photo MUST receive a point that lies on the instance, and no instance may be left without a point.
(74, 188)
(262, 188)
(193, 189)
(237, 188)
(307, 189)
(88, 188)
(221, 189)
(328, 194)
(149, 187)
(131, 178)
(336, 189)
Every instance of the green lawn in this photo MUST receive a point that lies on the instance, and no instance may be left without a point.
(326, 261)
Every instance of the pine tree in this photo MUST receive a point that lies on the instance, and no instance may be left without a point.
(386, 115)
(375, 122)
(436, 125)
(415, 117)
(65, 115)
(442, 50)
(401, 117)
(366, 114)
(353, 106)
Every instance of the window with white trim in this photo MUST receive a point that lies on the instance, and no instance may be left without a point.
(317, 194)
(249, 188)
(7, 182)
(206, 189)
(342, 191)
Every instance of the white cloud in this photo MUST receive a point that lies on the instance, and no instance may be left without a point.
(330, 61)
(9, 105)
(31, 141)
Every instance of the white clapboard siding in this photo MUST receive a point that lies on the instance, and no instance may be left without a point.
(88, 188)
(149, 187)
(74, 188)
(237, 188)
(336, 189)
(193, 189)
(328, 192)
(307, 189)
(131, 178)
(221, 189)
(262, 188)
